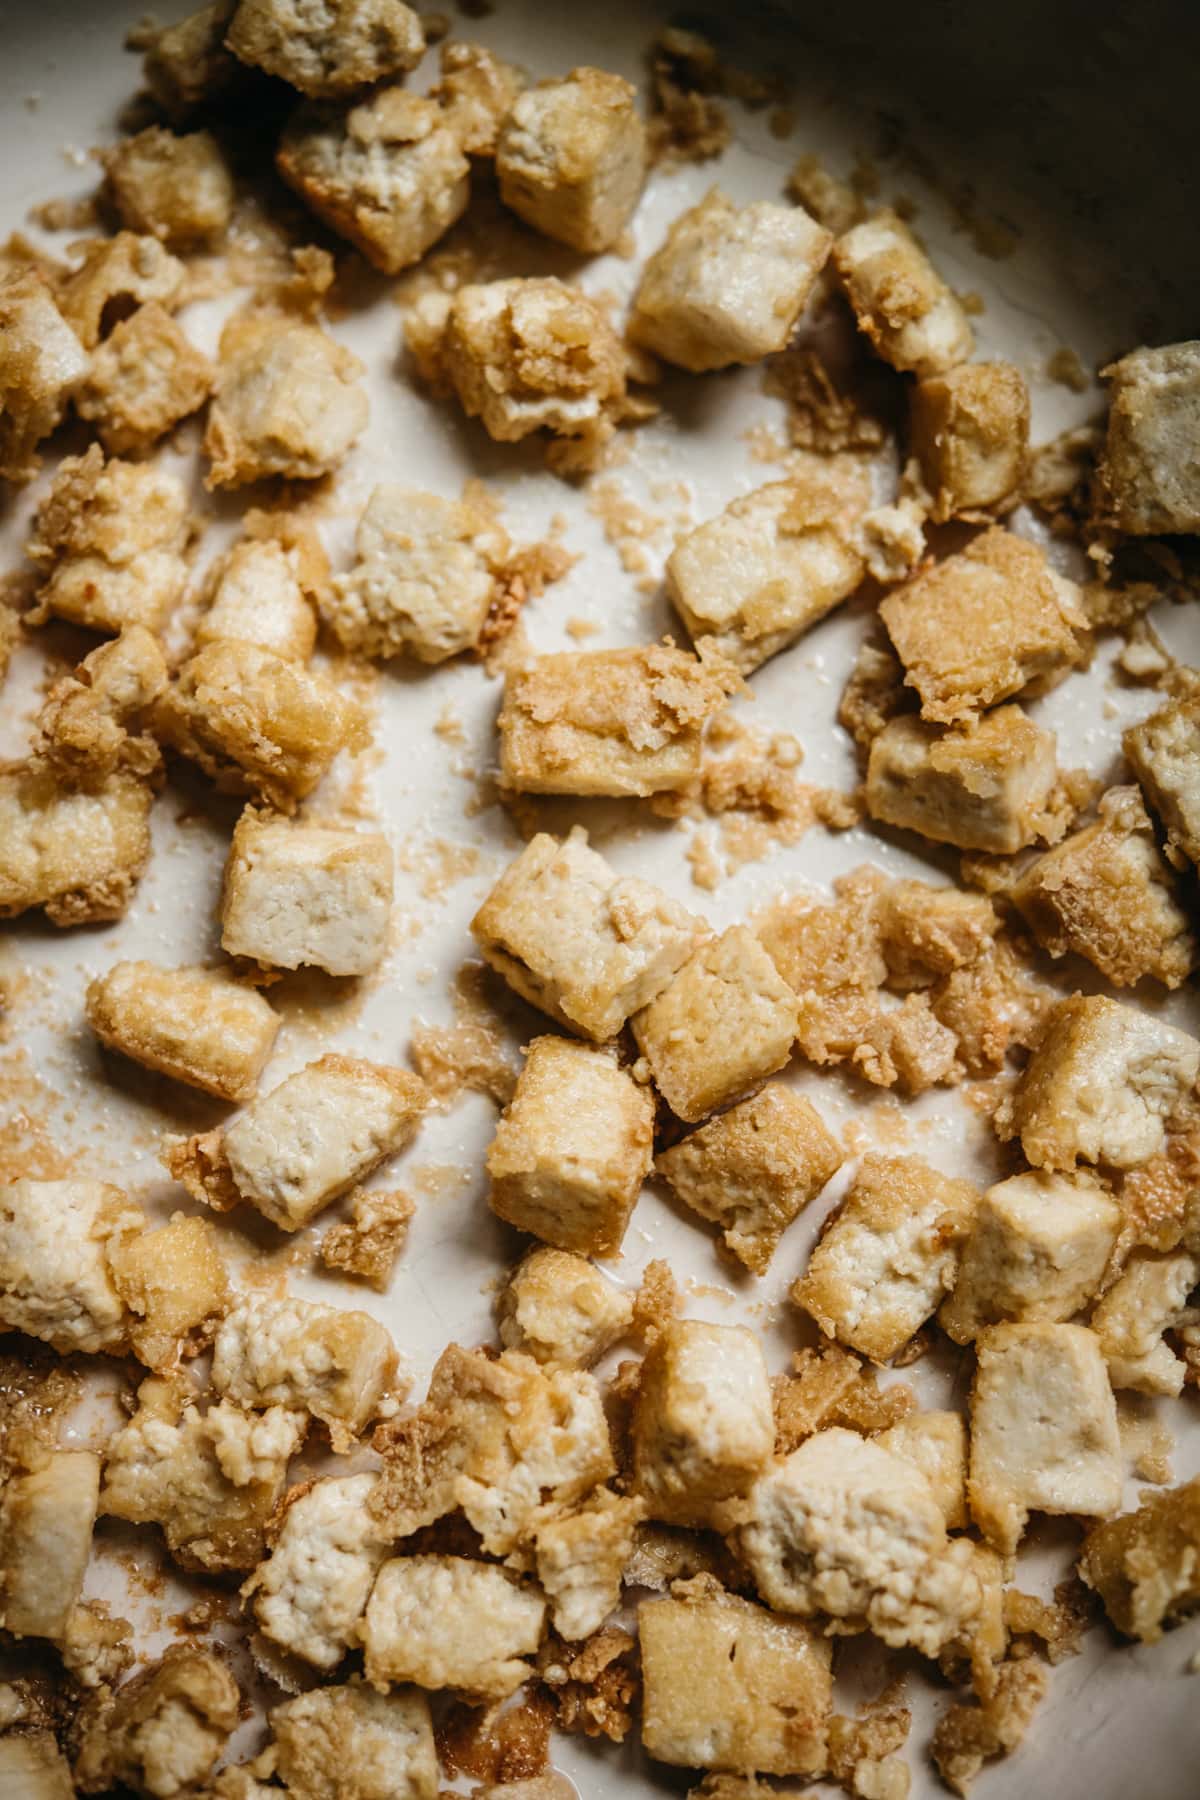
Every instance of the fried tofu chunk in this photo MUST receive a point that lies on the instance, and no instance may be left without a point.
(1148, 1298)
(161, 1733)
(306, 896)
(581, 1558)
(327, 50)
(571, 158)
(355, 1743)
(89, 724)
(144, 378)
(728, 283)
(475, 90)
(1149, 474)
(116, 275)
(177, 189)
(263, 590)
(969, 431)
(1164, 752)
(1145, 1566)
(311, 1592)
(991, 785)
(336, 1364)
(41, 364)
(927, 933)
(446, 1621)
(78, 853)
(58, 1244)
(935, 1443)
(703, 1428)
(195, 1025)
(289, 401)
(47, 1514)
(173, 1281)
(572, 1148)
(558, 1308)
(901, 303)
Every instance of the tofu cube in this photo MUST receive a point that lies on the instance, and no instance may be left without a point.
(311, 1592)
(888, 1254)
(572, 1148)
(47, 1513)
(195, 1025)
(1164, 753)
(990, 786)
(41, 364)
(727, 1020)
(261, 593)
(1148, 1298)
(174, 1284)
(1150, 476)
(116, 275)
(475, 91)
(78, 854)
(581, 1559)
(901, 303)
(58, 1241)
(338, 1365)
(350, 1741)
(306, 895)
(559, 1309)
(289, 401)
(162, 1732)
(703, 1429)
(1145, 1566)
(936, 1444)
(753, 1169)
(728, 1685)
(330, 49)
(445, 1621)
(927, 933)
(571, 158)
(969, 431)
(144, 378)
(177, 189)
(584, 944)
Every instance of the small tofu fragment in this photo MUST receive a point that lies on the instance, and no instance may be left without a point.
(336, 1364)
(144, 378)
(1148, 1298)
(306, 896)
(330, 49)
(900, 301)
(41, 364)
(174, 1284)
(580, 1559)
(1164, 752)
(571, 158)
(475, 91)
(78, 853)
(703, 1429)
(927, 933)
(1145, 1566)
(1150, 471)
(116, 275)
(354, 1743)
(445, 1621)
(47, 1513)
(558, 1308)
(262, 591)
(161, 1733)
(993, 785)
(195, 1025)
(969, 431)
(312, 1590)
(935, 1443)
(177, 189)
(88, 727)
(289, 401)
(33, 1767)
(366, 1246)
(58, 1243)
(187, 67)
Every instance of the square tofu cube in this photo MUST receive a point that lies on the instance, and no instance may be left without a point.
(752, 1169)
(728, 283)
(58, 1242)
(1038, 1250)
(329, 49)
(584, 944)
(41, 363)
(571, 158)
(703, 1430)
(1148, 1298)
(992, 785)
(1164, 753)
(1145, 1566)
(445, 1621)
(311, 1592)
(969, 431)
(729, 1685)
(47, 1514)
(935, 1443)
(177, 189)
(620, 722)
(350, 1741)
(195, 1025)
(116, 275)
(992, 621)
(1101, 1086)
(286, 1352)
(144, 378)
(1043, 1429)
(911, 316)
(77, 853)
(289, 401)
(727, 1020)
(558, 1308)
(475, 91)
(261, 593)
(1150, 474)
(888, 1254)
(173, 1281)
(311, 895)
(572, 1148)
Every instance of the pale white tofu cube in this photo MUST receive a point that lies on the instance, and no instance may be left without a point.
(571, 158)
(911, 316)
(311, 1592)
(195, 1025)
(558, 1308)
(259, 594)
(992, 786)
(338, 1365)
(289, 401)
(307, 895)
(58, 1241)
(446, 1621)
(703, 1429)
(1164, 751)
(580, 1560)
(160, 1734)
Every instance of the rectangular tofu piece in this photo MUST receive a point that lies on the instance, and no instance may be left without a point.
(586, 945)
(310, 1593)
(47, 1514)
(1164, 753)
(558, 1308)
(969, 431)
(1043, 1429)
(887, 1255)
(336, 1364)
(992, 785)
(58, 1242)
(327, 51)
(41, 364)
(174, 1284)
(901, 303)
(572, 1148)
(703, 1427)
(262, 591)
(78, 853)
(446, 1621)
(1150, 473)
(289, 401)
(1149, 1298)
(1145, 1566)
(313, 896)
(935, 1443)
(144, 378)
(175, 187)
(581, 1558)
(350, 1741)
(571, 158)
(195, 1025)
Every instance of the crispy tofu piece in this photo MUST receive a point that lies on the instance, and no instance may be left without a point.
(572, 1148)
(935, 1443)
(58, 1243)
(1149, 474)
(584, 944)
(311, 1592)
(47, 1513)
(424, 579)
(144, 378)
(33, 1767)
(77, 853)
(41, 364)
(753, 1169)
(571, 158)
(728, 283)
(195, 1025)
(729, 1685)
(829, 954)
(1145, 1565)
(989, 1005)
(187, 67)
(900, 301)
(992, 621)
(88, 725)
(262, 591)
(446, 1621)
(559, 1309)
(1043, 1429)
(331, 49)
(355, 1743)
(580, 1559)
(177, 189)
(703, 1429)
(727, 1020)
(1148, 1298)
(366, 1246)
(306, 895)
(336, 1364)
(161, 1733)
(289, 401)
(621, 722)
(927, 933)
(475, 91)
(1037, 1250)
(887, 1255)
(993, 785)
(1101, 1086)
(969, 431)
(174, 1284)
(1164, 753)
(116, 275)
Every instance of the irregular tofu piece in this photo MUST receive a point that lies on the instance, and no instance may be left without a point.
(829, 954)
(195, 1025)
(1043, 1429)
(752, 1169)
(703, 1429)
(312, 1590)
(992, 621)
(174, 1284)
(475, 91)
(900, 301)
(289, 401)
(892, 540)
(365, 1246)
(991, 786)
(32, 1767)
(424, 579)
(88, 725)
(161, 1733)
(990, 1005)
(1101, 1086)
(584, 944)
(936, 1444)
(727, 1020)
(572, 1148)
(47, 1513)
(621, 722)
(336, 1364)
(143, 380)
(580, 1559)
(571, 158)
(1150, 472)
(445, 1621)
(928, 932)
(41, 364)
(887, 1255)
(1145, 1566)
(356, 1744)
(77, 853)
(177, 189)
(58, 1241)
(1148, 1298)
(559, 1309)
(262, 593)
(330, 49)
(1038, 1249)
(728, 283)
(729, 1685)
(186, 66)
(969, 431)
(116, 275)
(1164, 752)
(306, 896)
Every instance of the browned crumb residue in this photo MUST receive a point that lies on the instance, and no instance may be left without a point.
(27, 1147)
(1066, 368)
(438, 864)
(827, 415)
(1146, 1441)
(968, 1736)
(864, 1753)
(1055, 1627)
(525, 576)
(473, 1052)
(831, 1386)
(501, 1743)
(1156, 1199)
(367, 1244)
(593, 1686)
(688, 122)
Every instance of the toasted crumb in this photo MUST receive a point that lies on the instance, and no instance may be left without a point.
(368, 1244)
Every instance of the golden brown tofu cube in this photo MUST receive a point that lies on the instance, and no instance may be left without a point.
(1149, 476)
(306, 895)
(1145, 1566)
(187, 67)
(475, 91)
(992, 785)
(161, 1733)
(928, 932)
(448, 1621)
(330, 49)
(263, 590)
(47, 1512)
(77, 853)
(1164, 751)
(900, 301)
(289, 401)
(195, 1025)
(969, 431)
(350, 1741)
(571, 158)
(177, 189)
(703, 1429)
(144, 378)
(558, 1308)
(59, 1243)
(173, 1281)
(41, 364)
(116, 275)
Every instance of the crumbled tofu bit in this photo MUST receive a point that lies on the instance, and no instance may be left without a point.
(990, 1005)
(969, 431)
(78, 854)
(580, 1559)
(143, 380)
(108, 540)
(47, 1513)
(967, 1736)
(195, 1025)
(559, 1309)
(1109, 894)
(1164, 753)
(445, 1621)
(161, 1733)
(571, 158)
(935, 1443)
(888, 1254)
(261, 593)
(584, 944)
(1043, 1429)
(927, 932)
(58, 1240)
(173, 1281)
(829, 955)
(424, 579)
(328, 49)
(703, 1429)
(177, 189)
(117, 274)
(1101, 1086)
(287, 1352)
(572, 1148)
(41, 364)
(186, 66)
(1145, 1566)
(475, 91)
(991, 785)
(311, 1592)
(306, 895)
(289, 401)
(891, 540)
(621, 722)
(355, 1743)
(33, 1766)
(257, 723)
(96, 1648)
(87, 726)
(1149, 1297)
(899, 300)
(874, 691)
(1037, 1250)
(1149, 474)
(367, 1244)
